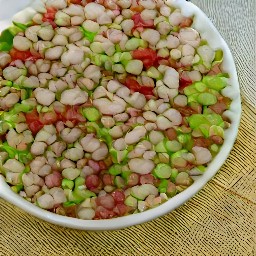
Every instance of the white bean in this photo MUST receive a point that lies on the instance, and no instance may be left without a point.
(116, 132)
(148, 14)
(202, 155)
(100, 153)
(43, 66)
(174, 116)
(176, 18)
(58, 4)
(108, 121)
(5, 59)
(89, 143)
(74, 154)
(119, 144)
(148, 4)
(127, 26)
(37, 163)
(86, 214)
(171, 78)
(123, 117)
(150, 35)
(31, 190)
(70, 135)
(9, 100)
(21, 43)
(93, 11)
(45, 201)
(181, 100)
(54, 53)
(71, 173)
(172, 42)
(149, 155)
(163, 123)
(135, 135)
(66, 163)
(76, 20)
(141, 166)
(74, 10)
(46, 33)
(62, 19)
(44, 96)
(13, 73)
(175, 54)
(104, 19)
(60, 40)
(58, 147)
(189, 36)
(93, 72)
(106, 107)
(73, 96)
(87, 170)
(38, 148)
(91, 26)
(137, 100)
(150, 116)
(58, 195)
(73, 56)
(165, 10)
(31, 33)
(14, 165)
(114, 35)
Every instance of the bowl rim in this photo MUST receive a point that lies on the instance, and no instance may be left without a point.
(201, 22)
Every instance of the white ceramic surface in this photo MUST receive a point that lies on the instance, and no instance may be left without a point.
(208, 32)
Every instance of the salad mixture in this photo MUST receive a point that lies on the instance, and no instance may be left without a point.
(108, 107)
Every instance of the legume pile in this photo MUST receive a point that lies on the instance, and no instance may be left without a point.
(108, 107)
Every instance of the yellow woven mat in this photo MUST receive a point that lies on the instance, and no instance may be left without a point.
(220, 220)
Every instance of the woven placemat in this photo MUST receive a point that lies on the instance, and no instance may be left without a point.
(220, 220)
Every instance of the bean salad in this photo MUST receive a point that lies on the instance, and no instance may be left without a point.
(108, 107)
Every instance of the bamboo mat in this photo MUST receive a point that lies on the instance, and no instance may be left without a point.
(220, 220)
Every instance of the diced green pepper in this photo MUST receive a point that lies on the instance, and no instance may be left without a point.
(162, 188)
(119, 182)
(162, 171)
(88, 35)
(24, 156)
(115, 169)
(206, 99)
(67, 184)
(91, 113)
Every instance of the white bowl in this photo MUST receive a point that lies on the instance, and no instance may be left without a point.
(208, 32)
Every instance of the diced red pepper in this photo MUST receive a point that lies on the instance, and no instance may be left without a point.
(76, 2)
(49, 16)
(35, 126)
(137, 8)
(147, 56)
(183, 84)
(146, 90)
(32, 116)
(139, 22)
(71, 113)
(48, 118)
(186, 22)
(134, 86)
(186, 111)
(23, 55)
